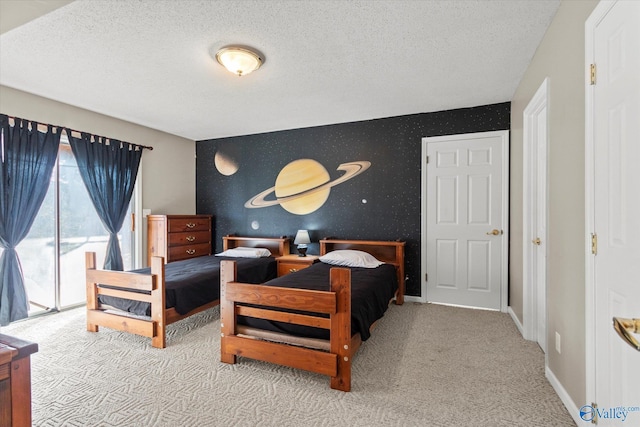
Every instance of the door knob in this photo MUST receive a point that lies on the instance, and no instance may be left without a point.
(494, 232)
(624, 328)
(537, 241)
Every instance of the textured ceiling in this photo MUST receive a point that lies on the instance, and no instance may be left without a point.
(149, 62)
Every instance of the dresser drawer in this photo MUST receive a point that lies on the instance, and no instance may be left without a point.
(189, 238)
(189, 251)
(292, 263)
(285, 268)
(5, 371)
(177, 225)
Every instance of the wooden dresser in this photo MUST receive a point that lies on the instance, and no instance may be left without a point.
(15, 381)
(177, 237)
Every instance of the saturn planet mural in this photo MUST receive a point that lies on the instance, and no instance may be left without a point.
(303, 186)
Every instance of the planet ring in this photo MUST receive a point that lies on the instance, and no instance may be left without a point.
(351, 169)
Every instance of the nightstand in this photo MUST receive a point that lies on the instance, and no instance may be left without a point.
(292, 263)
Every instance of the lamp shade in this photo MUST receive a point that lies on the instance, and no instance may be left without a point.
(302, 238)
(238, 60)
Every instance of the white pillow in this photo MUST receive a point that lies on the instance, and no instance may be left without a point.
(351, 258)
(243, 252)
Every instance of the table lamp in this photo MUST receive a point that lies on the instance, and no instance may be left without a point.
(302, 238)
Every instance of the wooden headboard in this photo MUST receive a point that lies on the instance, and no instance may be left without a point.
(277, 245)
(390, 252)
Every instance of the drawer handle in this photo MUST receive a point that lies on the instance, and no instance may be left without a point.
(191, 224)
(191, 251)
(190, 238)
(293, 270)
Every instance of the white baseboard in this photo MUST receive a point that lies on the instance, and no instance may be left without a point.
(516, 321)
(409, 298)
(470, 307)
(574, 411)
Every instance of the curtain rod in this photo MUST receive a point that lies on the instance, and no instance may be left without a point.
(76, 131)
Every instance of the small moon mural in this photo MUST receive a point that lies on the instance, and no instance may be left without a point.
(225, 163)
(303, 186)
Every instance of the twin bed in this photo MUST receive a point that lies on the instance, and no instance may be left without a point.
(145, 301)
(314, 319)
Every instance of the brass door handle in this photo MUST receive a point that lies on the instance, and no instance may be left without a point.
(190, 238)
(537, 241)
(190, 224)
(190, 251)
(625, 327)
(494, 232)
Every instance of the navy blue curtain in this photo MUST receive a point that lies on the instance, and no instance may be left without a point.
(27, 158)
(108, 169)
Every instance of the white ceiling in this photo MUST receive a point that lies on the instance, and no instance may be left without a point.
(149, 62)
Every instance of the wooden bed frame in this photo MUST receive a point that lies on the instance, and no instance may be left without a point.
(332, 357)
(130, 284)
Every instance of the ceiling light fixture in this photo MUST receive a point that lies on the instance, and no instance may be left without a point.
(239, 60)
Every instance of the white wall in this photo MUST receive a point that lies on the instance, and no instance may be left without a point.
(560, 56)
(168, 171)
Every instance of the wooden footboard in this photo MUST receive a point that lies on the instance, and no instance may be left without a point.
(129, 287)
(335, 363)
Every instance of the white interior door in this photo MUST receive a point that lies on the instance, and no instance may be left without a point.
(535, 218)
(539, 234)
(613, 210)
(466, 220)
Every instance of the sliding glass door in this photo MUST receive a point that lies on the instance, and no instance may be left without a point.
(67, 226)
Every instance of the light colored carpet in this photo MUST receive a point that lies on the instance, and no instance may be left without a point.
(425, 365)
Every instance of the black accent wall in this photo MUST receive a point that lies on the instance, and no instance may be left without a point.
(381, 203)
